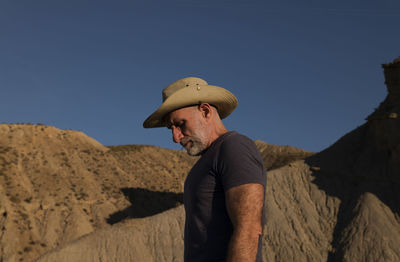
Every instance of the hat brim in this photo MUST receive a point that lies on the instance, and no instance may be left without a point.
(217, 96)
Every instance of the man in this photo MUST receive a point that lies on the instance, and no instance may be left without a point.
(224, 191)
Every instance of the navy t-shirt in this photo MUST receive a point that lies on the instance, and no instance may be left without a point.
(231, 160)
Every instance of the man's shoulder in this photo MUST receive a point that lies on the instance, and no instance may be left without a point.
(239, 161)
(235, 143)
(235, 138)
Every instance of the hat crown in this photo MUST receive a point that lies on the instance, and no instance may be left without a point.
(182, 83)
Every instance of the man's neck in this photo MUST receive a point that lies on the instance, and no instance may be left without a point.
(217, 132)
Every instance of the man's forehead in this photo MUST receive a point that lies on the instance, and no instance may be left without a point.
(178, 114)
(181, 112)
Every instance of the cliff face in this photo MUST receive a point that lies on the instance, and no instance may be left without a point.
(362, 170)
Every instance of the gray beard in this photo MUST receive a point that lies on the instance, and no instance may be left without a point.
(196, 146)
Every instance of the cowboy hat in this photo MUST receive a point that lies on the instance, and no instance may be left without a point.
(191, 91)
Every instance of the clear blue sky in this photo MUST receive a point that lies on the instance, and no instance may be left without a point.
(305, 72)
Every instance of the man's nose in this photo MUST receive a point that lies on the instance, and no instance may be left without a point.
(176, 134)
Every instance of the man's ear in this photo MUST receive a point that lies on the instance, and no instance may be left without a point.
(205, 110)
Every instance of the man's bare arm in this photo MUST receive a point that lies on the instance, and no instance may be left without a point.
(244, 205)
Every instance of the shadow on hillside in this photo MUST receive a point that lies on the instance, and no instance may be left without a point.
(145, 203)
(347, 191)
(348, 170)
(350, 190)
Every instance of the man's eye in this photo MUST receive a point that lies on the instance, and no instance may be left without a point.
(179, 125)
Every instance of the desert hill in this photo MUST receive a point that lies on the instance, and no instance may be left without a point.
(341, 204)
(58, 185)
(278, 156)
(157, 238)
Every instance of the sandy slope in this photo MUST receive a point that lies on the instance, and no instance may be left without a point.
(58, 185)
(158, 238)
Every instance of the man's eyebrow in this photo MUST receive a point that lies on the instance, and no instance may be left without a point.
(177, 122)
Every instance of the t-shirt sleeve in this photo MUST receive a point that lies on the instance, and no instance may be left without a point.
(239, 162)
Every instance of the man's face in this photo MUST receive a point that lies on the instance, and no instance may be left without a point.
(189, 129)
